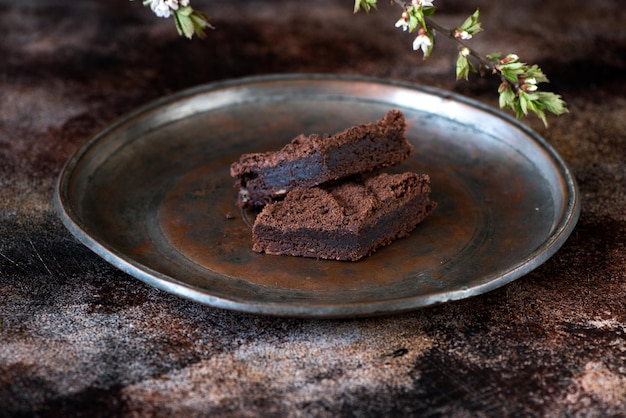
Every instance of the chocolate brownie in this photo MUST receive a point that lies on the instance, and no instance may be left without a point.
(312, 160)
(344, 222)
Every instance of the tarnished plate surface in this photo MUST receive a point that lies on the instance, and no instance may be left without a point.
(152, 195)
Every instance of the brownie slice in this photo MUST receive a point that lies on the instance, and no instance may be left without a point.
(344, 222)
(312, 160)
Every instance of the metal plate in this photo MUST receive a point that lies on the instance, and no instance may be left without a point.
(152, 195)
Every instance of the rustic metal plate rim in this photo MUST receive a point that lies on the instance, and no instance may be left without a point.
(145, 273)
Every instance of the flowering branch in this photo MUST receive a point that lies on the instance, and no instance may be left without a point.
(519, 89)
(188, 21)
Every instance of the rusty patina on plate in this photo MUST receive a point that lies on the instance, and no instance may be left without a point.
(152, 195)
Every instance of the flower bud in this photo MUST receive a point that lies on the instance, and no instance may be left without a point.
(529, 87)
(465, 35)
(509, 58)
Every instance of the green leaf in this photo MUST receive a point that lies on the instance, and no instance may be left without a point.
(413, 22)
(183, 23)
(431, 35)
(512, 71)
(190, 22)
(535, 72)
(517, 67)
(419, 16)
(184, 11)
(429, 11)
(463, 67)
(366, 5)
(507, 97)
(523, 102)
(553, 103)
(537, 108)
(200, 22)
(511, 76)
(533, 104)
(519, 108)
(471, 25)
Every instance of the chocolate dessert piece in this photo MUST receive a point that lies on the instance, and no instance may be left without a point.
(312, 160)
(344, 222)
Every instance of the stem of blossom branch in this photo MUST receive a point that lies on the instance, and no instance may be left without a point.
(485, 62)
(450, 34)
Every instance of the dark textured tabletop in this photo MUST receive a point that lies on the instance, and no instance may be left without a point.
(80, 338)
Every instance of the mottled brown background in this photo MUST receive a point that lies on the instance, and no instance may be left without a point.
(78, 337)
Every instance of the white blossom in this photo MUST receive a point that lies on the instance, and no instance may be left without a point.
(423, 42)
(165, 8)
(402, 23)
(423, 3)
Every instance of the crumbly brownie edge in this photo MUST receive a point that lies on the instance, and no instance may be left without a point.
(379, 227)
(344, 245)
(264, 177)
